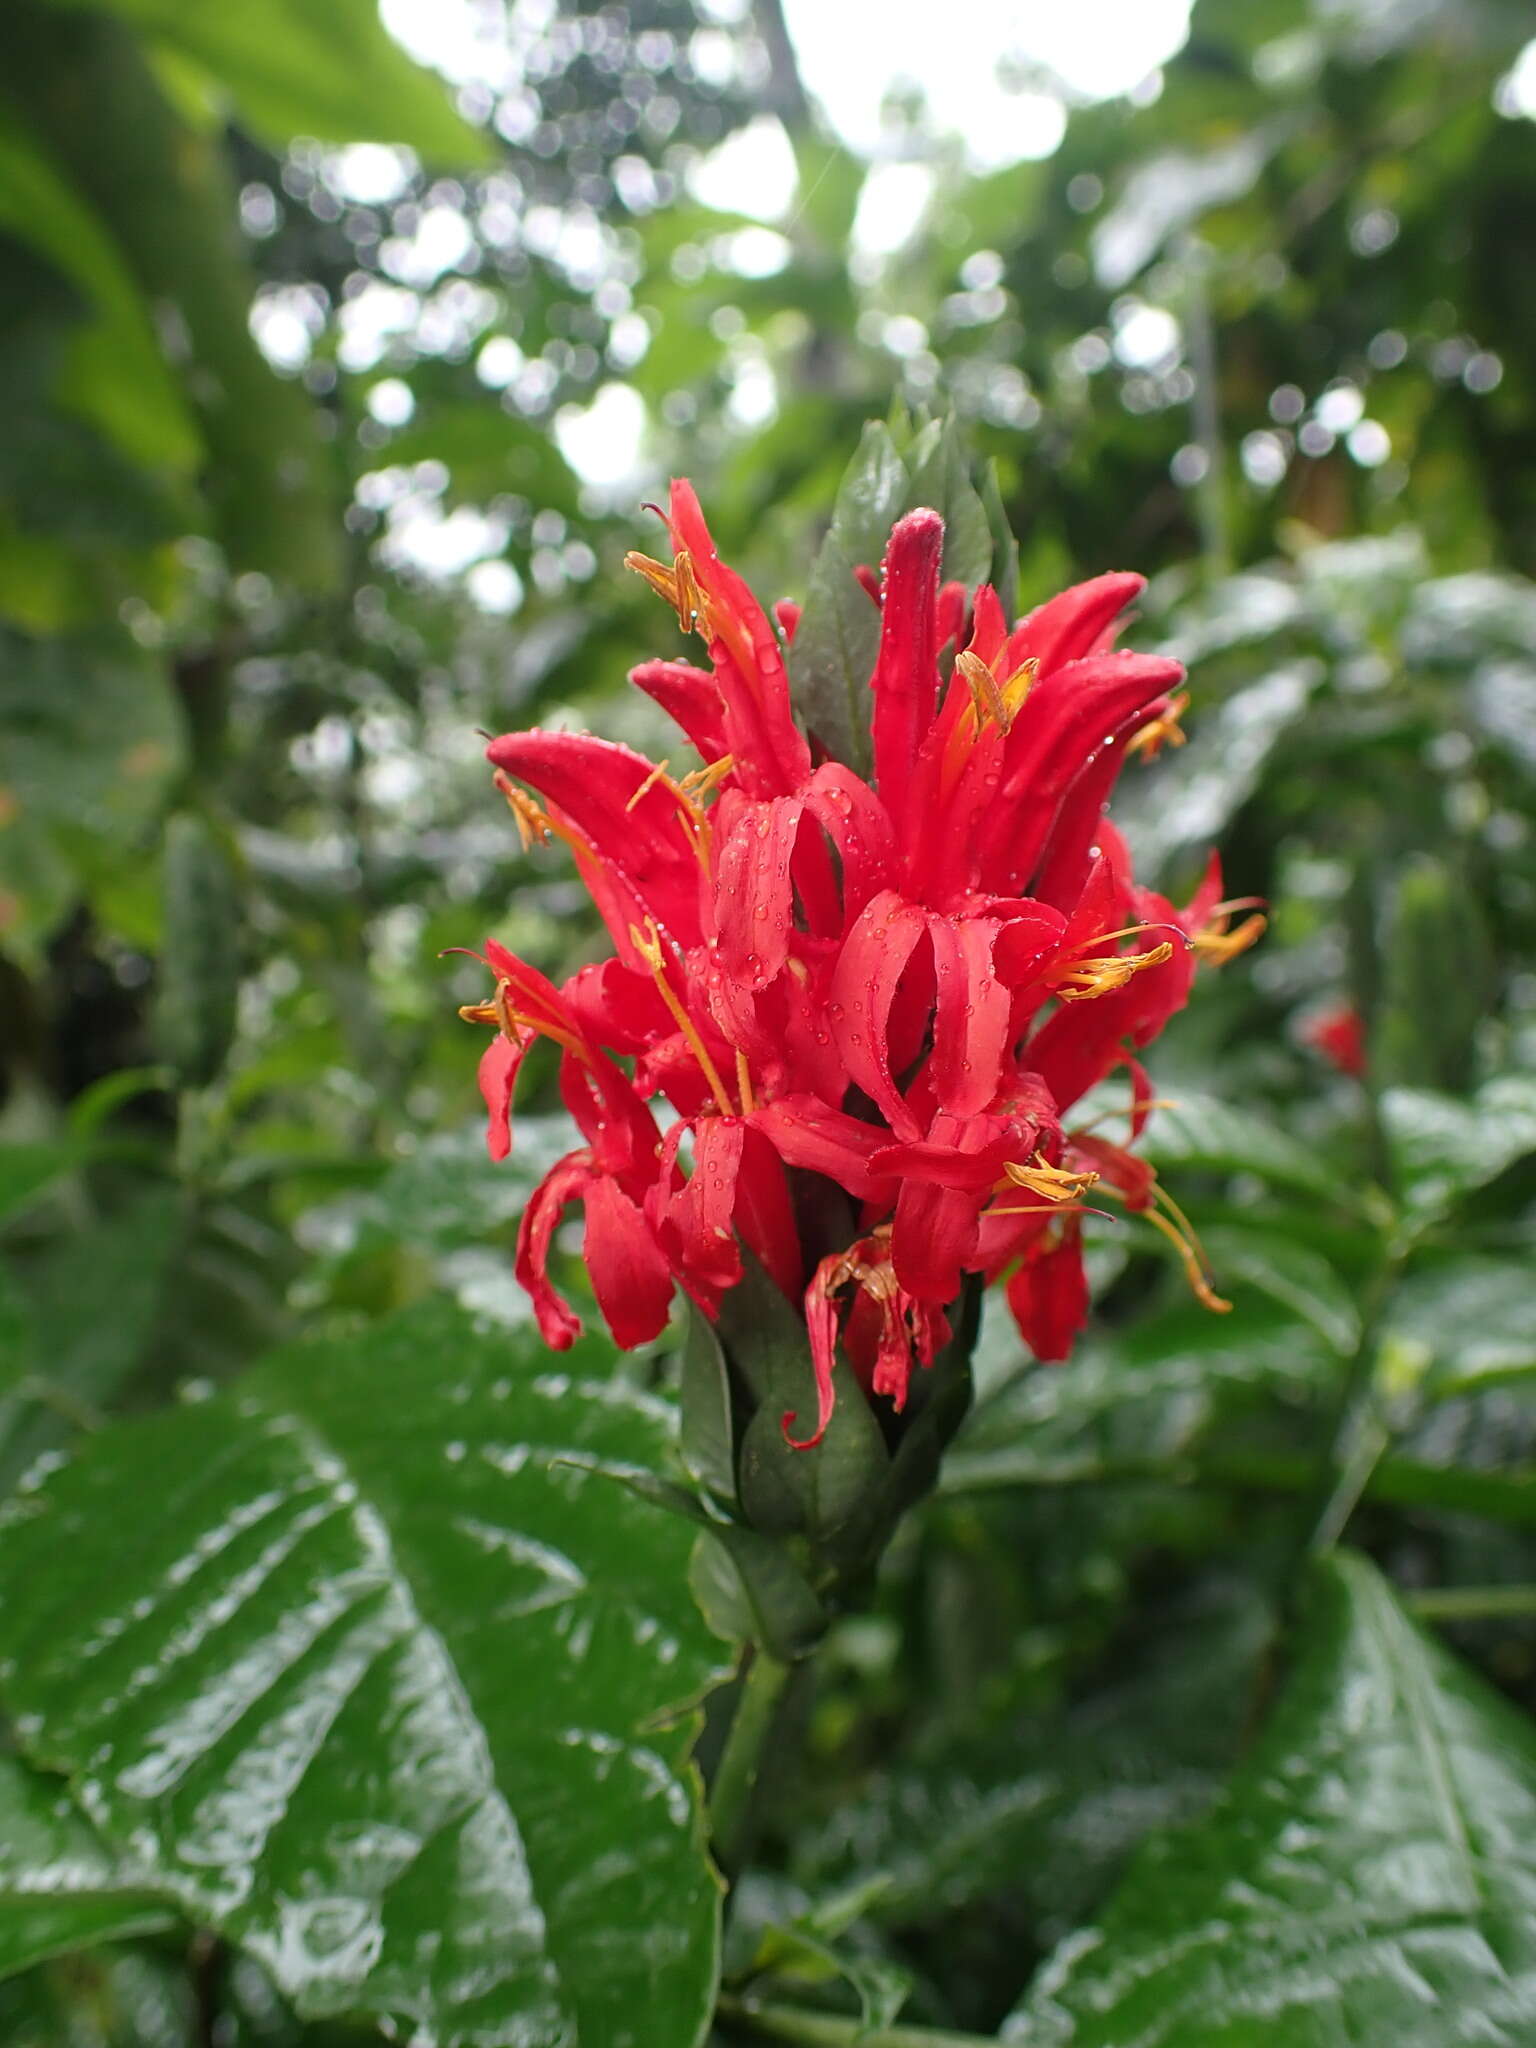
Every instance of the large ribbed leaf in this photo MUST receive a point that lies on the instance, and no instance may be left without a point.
(1369, 1876)
(59, 1890)
(367, 1665)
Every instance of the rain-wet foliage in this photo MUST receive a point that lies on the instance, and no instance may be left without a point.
(350, 1666)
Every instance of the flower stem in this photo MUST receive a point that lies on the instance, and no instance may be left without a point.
(830, 2030)
(732, 1798)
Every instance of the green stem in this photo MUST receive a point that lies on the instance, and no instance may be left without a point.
(732, 1799)
(830, 2030)
(1474, 1603)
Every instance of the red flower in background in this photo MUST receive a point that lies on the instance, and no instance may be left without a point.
(902, 985)
(1338, 1033)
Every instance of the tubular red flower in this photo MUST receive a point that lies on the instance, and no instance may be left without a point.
(862, 1007)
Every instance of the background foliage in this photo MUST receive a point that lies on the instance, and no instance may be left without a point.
(355, 1687)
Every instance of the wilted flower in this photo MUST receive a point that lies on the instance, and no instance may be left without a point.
(868, 1006)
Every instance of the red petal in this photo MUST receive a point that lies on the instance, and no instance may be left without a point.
(786, 614)
(1082, 1041)
(704, 1209)
(1062, 723)
(770, 752)
(970, 1028)
(498, 1076)
(566, 1180)
(805, 1132)
(905, 680)
(642, 860)
(765, 1216)
(630, 1278)
(1071, 625)
(821, 1328)
(691, 699)
(1049, 1299)
(933, 1238)
(754, 890)
(863, 989)
(857, 823)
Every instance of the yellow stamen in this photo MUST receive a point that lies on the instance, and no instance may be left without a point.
(744, 1083)
(657, 774)
(1189, 1258)
(1101, 972)
(534, 825)
(1055, 1183)
(1132, 1110)
(991, 699)
(674, 581)
(648, 945)
(1215, 943)
(1162, 731)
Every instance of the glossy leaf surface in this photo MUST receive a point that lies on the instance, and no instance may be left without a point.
(368, 1667)
(1367, 1877)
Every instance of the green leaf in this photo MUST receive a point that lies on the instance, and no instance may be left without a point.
(1463, 1325)
(92, 1301)
(369, 1662)
(1141, 1407)
(164, 191)
(1203, 1134)
(1366, 1877)
(833, 653)
(93, 739)
(1445, 1148)
(26, 1170)
(940, 476)
(199, 987)
(1293, 1274)
(59, 1889)
(114, 372)
(332, 72)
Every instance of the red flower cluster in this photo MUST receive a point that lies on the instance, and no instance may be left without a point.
(901, 985)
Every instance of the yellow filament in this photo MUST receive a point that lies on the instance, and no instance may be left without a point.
(1215, 943)
(674, 581)
(744, 1083)
(1199, 1285)
(648, 945)
(534, 825)
(990, 699)
(1132, 1110)
(1055, 1183)
(685, 793)
(1162, 731)
(1100, 973)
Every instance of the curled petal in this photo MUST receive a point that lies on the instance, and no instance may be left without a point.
(770, 751)
(498, 1076)
(864, 985)
(630, 1277)
(567, 1180)
(805, 1132)
(754, 890)
(856, 822)
(821, 1328)
(970, 1029)
(691, 699)
(629, 834)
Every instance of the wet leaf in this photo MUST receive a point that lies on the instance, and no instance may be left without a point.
(369, 1661)
(1367, 1876)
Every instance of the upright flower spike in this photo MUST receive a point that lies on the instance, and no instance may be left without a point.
(847, 1021)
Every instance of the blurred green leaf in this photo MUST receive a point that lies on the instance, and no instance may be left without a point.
(1367, 1875)
(1293, 1274)
(1445, 1148)
(59, 1889)
(378, 1618)
(1203, 1134)
(114, 372)
(1464, 1324)
(333, 72)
